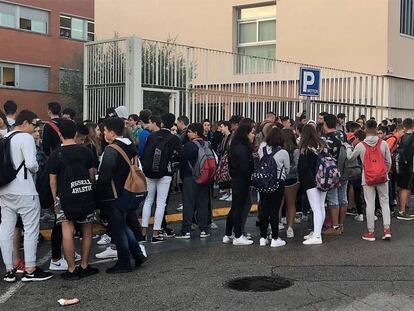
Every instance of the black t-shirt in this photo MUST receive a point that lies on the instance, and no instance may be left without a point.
(333, 142)
(69, 154)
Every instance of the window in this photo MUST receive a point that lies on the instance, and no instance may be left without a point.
(24, 18)
(407, 17)
(256, 36)
(24, 76)
(77, 28)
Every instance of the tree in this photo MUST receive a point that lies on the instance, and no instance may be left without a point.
(71, 84)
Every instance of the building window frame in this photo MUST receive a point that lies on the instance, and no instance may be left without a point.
(17, 80)
(18, 16)
(86, 34)
(407, 18)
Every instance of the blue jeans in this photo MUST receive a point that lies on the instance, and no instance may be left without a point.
(125, 241)
(338, 197)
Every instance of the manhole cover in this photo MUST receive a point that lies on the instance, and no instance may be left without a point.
(259, 283)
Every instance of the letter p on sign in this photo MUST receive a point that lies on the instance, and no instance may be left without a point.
(309, 81)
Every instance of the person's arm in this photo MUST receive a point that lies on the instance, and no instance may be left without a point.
(108, 164)
(286, 162)
(388, 160)
(53, 185)
(352, 155)
(29, 154)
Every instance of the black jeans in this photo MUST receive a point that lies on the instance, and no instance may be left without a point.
(195, 198)
(240, 191)
(56, 241)
(269, 211)
(357, 185)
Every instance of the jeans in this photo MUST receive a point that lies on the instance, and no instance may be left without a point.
(269, 211)
(125, 240)
(195, 198)
(240, 192)
(28, 207)
(160, 187)
(338, 197)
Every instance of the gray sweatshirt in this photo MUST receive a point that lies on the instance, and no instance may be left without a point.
(359, 151)
(281, 157)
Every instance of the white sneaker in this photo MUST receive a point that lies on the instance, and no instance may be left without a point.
(375, 218)
(204, 234)
(281, 226)
(229, 198)
(78, 257)
(289, 233)
(213, 225)
(283, 220)
(180, 207)
(108, 253)
(242, 241)
(60, 265)
(307, 237)
(263, 241)
(224, 197)
(228, 239)
(359, 217)
(104, 240)
(277, 243)
(313, 241)
(143, 250)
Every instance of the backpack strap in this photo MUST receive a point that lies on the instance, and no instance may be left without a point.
(23, 164)
(54, 127)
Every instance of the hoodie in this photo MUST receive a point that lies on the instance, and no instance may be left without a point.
(359, 151)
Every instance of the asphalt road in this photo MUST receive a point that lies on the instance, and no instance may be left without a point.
(345, 273)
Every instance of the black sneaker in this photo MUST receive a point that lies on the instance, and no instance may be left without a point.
(119, 269)
(139, 260)
(36, 276)
(167, 233)
(88, 271)
(143, 239)
(10, 276)
(157, 239)
(70, 276)
(352, 212)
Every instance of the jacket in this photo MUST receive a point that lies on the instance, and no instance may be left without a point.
(241, 163)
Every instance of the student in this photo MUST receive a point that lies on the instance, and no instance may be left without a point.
(159, 150)
(381, 187)
(241, 169)
(71, 175)
(10, 109)
(311, 143)
(68, 114)
(208, 134)
(4, 125)
(154, 124)
(182, 125)
(51, 139)
(270, 203)
(133, 123)
(20, 197)
(144, 116)
(115, 169)
(195, 196)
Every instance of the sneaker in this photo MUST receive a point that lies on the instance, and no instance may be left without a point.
(78, 257)
(352, 212)
(298, 220)
(224, 197)
(281, 226)
(404, 216)
(228, 239)
(60, 265)
(263, 242)
(313, 241)
(305, 218)
(157, 239)
(104, 240)
(248, 236)
(70, 276)
(183, 236)
(332, 231)
(108, 253)
(143, 239)
(213, 226)
(307, 237)
(242, 241)
(204, 234)
(229, 198)
(290, 233)
(180, 207)
(283, 220)
(139, 260)
(37, 275)
(359, 217)
(10, 276)
(167, 233)
(369, 236)
(20, 266)
(376, 218)
(118, 269)
(88, 271)
(277, 243)
(387, 235)
(143, 250)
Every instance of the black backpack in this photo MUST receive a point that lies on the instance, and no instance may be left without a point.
(404, 156)
(76, 193)
(8, 172)
(43, 188)
(265, 178)
(157, 156)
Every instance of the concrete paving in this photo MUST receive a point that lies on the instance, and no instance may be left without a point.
(345, 273)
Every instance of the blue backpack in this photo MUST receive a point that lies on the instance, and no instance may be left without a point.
(327, 175)
(265, 178)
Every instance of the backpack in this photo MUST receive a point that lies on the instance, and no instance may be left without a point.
(157, 156)
(8, 172)
(135, 187)
(265, 178)
(327, 174)
(43, 188)
(404, 156)
(76, 194)
(205, 166)
(375, 169)
(222, 174)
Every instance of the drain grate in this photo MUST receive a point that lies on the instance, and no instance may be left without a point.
(259, 283)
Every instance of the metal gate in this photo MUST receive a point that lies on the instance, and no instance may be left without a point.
(214, 84)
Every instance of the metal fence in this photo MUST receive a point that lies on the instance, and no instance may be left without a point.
(214, 84)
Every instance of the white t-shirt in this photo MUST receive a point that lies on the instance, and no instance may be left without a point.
(23, 148)
(10, 121)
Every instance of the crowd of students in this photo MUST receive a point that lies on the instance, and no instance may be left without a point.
(293, 166)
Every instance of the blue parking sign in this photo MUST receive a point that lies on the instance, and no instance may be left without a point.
(310, 81)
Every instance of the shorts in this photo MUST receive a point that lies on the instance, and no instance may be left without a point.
(405, 181)
(291, 182)
(338, 197)
(61, 217)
